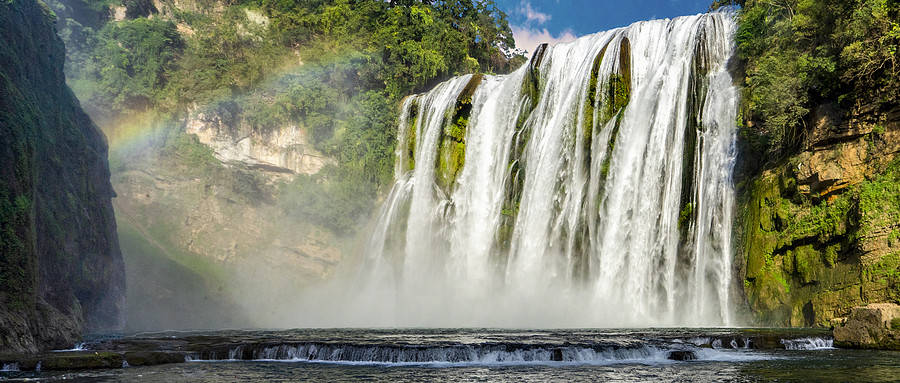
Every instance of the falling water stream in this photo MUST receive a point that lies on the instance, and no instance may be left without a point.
(591, 187)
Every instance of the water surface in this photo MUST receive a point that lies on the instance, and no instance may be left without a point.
(462, 355)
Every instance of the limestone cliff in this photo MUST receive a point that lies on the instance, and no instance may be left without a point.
(61, 271)
(821, 230)
(200, 194)
(284, 149)
(210, 243)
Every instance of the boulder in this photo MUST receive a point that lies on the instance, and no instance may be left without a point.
(876, 326)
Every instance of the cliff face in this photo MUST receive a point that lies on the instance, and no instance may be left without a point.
(61, 271)
(201, 217)
(821, 231)
(207, 242)
(283, 149)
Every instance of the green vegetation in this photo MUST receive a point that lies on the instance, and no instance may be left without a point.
(684, 218)
(15, 275)
(452, 144)
(800, 54)
(59, 260)
(337, 68)
(130, 64)
(796, 242)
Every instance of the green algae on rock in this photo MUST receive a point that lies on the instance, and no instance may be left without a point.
(812, 252)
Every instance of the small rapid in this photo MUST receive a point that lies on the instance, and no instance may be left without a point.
(9, 367)
(808, 343)
(464, 355)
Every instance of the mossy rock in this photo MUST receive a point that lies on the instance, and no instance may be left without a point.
(410, 144)
(450, 160)
(452, 144)
(831, 254)
(531, 86)
(808, 263)
(81, 360)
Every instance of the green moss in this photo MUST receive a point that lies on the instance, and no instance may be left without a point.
(879, 200)
(887, 266)
(815, 246)
(686, 214)
(895, 324)
(410, 143)
(617, 95)
(783, 282)
(189, 149)
(450, 160)
(807, 264)
(591, 101)
(452, 145)
(831, 255)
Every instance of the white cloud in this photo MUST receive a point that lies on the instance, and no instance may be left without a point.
(529, 39)
(532, 14)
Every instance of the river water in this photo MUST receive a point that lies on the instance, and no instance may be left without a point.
(407, 355)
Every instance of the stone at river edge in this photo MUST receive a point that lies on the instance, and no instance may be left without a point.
(61, 271)
(874, 326)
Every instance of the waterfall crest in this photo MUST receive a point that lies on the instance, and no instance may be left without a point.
(592, 187)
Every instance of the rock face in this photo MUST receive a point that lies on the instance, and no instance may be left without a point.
(206, 242)
(873, 326)
(61, 271)
(821, 230)
(285, 149)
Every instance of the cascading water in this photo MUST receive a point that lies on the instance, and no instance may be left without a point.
(592, 187)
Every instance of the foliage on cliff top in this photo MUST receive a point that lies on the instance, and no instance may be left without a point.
(336, 68)
(804, 53)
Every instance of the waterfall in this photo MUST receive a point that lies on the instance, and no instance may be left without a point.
(592, 187)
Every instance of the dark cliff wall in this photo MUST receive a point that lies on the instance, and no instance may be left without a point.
(61, 271)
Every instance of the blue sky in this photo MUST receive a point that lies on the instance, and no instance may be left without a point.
(536, 21)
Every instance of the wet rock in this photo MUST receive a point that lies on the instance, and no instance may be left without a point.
(557, 355)
(81, 361)
(90, 360)
(152, 358)
(682, 355)
(874, 326)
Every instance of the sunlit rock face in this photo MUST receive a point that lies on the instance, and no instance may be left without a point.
(819, 230)
(277, 149)
(591, 187)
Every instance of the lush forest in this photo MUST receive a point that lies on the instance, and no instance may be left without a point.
(817, 176)
(802, 54)
(337, 68)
